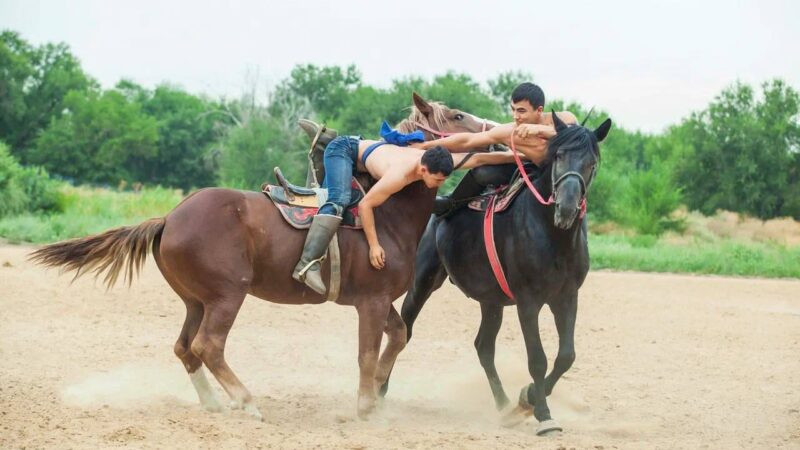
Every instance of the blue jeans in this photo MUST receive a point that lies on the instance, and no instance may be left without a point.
(339, 159)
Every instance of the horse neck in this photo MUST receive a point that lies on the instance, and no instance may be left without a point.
(406, 213)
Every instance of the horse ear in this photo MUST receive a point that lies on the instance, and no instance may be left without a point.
(559, 124)
(602, 131)
(422, 105)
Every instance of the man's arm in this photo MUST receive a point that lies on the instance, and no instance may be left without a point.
(388, 184)
(461, 142)
(525, 131)
(485, 159)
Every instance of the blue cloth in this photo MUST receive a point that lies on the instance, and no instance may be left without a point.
(339, 159)
(397, 138)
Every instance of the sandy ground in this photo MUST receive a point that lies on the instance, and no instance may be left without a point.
(664, 361)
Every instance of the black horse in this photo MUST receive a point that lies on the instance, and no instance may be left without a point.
(543, 250)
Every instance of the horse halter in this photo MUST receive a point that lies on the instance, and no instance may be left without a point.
(580, 179)
(555, 184)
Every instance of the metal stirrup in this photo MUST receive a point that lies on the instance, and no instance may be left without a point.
(302, 273)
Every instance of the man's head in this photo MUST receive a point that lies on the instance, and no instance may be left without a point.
(436, 165)
(527, 103)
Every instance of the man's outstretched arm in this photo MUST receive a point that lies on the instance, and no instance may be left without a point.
(486, 159)
(461, 142)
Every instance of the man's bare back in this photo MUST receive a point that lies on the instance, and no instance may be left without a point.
(388, 156)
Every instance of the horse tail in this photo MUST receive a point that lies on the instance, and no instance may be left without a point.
(122, 249)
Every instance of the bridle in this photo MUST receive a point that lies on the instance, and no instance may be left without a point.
(555, 182)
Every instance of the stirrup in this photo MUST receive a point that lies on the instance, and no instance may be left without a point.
(302, 273)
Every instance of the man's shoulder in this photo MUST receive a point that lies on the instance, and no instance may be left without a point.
(567, 116)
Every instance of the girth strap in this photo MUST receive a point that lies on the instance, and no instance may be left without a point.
(491, 250)
(336, 270)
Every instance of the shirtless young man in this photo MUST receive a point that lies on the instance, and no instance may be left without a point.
(532, 128)
(394, 167)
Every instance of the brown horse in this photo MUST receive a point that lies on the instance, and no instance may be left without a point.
(219, 245)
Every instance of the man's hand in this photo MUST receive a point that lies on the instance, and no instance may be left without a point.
(377, 257)
(527, 130)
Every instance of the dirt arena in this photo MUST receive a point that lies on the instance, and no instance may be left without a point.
(664, 361)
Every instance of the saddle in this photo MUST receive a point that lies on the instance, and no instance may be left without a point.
(501, 198)
(298, 205)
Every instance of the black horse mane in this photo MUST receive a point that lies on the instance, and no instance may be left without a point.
(574, 137)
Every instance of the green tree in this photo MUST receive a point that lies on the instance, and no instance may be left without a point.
(743, 152)
(326, 88)
(262, 138)
(501, 87)
(100, 138)
(188, 128)
(34, 82)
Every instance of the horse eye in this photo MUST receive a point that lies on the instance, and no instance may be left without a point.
(459, 117)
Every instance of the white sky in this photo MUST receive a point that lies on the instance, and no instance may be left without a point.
(648, 63)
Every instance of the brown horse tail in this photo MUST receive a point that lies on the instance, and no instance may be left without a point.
(123, 248)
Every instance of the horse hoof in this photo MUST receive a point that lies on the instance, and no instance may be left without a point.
(365, 414)
(516, 416)
(213, 407)
(548, 426)
(253, 411)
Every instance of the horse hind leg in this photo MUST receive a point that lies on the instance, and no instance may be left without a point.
(491, 319)
(209, 346)
(193, 364)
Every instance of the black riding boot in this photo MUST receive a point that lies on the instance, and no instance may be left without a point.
(468, 187)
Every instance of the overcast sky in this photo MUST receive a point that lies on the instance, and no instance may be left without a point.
(648, 63)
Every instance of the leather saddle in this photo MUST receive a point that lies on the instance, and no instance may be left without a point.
(503, 195)
(298, 205)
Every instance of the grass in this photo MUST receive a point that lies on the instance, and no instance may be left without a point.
(723, 257)
(88, 211)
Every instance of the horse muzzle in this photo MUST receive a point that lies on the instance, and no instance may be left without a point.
(569, 195)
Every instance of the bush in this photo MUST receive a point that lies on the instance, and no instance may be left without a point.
(12, 197)
(647, 201)
(25, 189)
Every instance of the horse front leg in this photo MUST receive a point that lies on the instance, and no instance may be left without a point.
(491, 319)
(534, 395)
(372, 316)
(396, 341)
(564, 315)
(429, 274)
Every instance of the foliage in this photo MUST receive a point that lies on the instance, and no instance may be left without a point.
(34, 82)
(743, 152)
(24, 189)
(261, 141)
(101, 138)
(85, 211)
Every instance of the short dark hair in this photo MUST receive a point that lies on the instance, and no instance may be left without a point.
(438, 160)
(530, 92)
